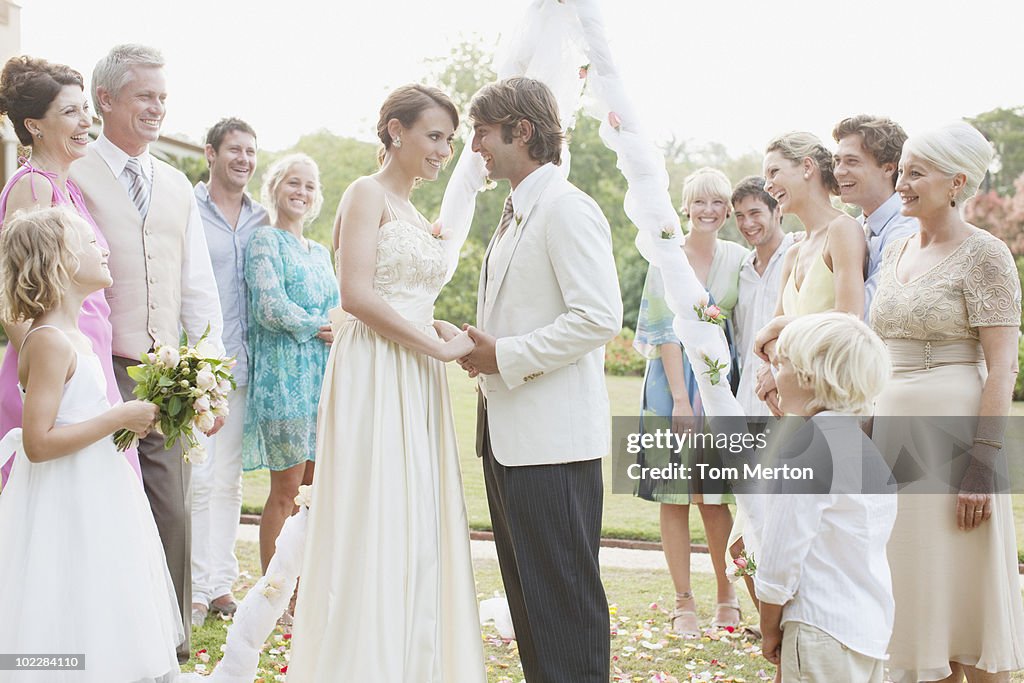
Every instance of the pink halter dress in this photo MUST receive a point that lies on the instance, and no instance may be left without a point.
(94, 322)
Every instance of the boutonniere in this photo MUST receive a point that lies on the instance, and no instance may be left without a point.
(709, 313)
(437, 230)
(668, 233)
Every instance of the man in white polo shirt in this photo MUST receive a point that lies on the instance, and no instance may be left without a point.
(760, 222)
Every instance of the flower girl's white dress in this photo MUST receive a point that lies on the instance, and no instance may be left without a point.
(82, 571)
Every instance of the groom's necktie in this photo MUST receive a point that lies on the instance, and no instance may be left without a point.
(506, 217)
(139, 190)
(506, 220)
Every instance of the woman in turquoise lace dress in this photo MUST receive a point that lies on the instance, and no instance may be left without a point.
(291, 288)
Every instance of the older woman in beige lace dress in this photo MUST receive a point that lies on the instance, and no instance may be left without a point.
(948, 308)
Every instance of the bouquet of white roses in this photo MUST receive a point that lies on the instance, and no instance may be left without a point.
(190, 385)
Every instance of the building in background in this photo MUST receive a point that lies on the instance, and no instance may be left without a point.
(174, 150)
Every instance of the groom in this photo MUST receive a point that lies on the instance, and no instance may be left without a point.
(548, 302)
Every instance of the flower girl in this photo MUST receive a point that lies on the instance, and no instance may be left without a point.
(80, 558)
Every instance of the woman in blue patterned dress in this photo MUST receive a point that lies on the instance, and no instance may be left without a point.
(670, 393)
(291, 288)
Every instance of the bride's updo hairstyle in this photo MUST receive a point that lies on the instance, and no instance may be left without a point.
(37, 261)
(406, 104)
(28, 86)
(799, 146)
(956, 148)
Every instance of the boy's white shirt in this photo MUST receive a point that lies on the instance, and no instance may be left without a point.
(823, 556)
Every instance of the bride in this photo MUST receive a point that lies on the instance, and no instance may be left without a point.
(387, 590)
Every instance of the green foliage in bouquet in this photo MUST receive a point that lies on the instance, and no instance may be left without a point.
(190, 385)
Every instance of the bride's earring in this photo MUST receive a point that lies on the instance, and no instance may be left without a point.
(397, 142)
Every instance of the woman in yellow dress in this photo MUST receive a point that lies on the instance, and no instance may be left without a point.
(825, 270)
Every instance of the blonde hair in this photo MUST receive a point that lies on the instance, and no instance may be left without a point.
(37, 261)
(706, 182)
(273, 179)
(838, 358)
(952, 149)
(799, 146)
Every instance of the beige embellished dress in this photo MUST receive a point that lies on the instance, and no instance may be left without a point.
(957, 593)
(387, 591)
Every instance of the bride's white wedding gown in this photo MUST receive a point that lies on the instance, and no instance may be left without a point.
(386, 590)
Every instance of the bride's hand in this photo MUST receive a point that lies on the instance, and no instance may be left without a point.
(445, 330)
(456, 347)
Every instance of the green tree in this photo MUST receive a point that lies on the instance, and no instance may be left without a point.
(194, 168)
(340, 160)
(1005, 129)
(465, 69)
(593, 170)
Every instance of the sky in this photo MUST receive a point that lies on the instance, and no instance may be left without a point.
(736, 72)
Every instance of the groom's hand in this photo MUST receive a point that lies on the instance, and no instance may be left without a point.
(482, 359)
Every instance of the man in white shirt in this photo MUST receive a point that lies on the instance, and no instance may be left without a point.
(230, 217)
(760, 222)
(163, 280)
(866, 166)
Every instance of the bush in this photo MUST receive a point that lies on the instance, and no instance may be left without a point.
(620, 358)
(1018, 388)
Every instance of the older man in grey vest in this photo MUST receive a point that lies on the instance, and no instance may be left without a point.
(163, 281)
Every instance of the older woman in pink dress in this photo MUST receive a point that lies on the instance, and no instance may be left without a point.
(47, 105)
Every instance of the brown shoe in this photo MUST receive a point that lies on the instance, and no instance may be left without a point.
(225, 604)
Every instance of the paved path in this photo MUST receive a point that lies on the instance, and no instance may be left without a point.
(621, 558)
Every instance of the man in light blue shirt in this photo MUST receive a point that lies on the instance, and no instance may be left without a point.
(230, 216)
(866, 166)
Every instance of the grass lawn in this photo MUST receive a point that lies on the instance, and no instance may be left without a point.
(624, 515)
(641, 646)
(642, 649)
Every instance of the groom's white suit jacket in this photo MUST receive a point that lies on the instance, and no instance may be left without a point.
(550, 293)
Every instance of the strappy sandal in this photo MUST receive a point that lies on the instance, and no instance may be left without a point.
(286, 621)
(733, 604)
(752, 632)
(683, 622)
